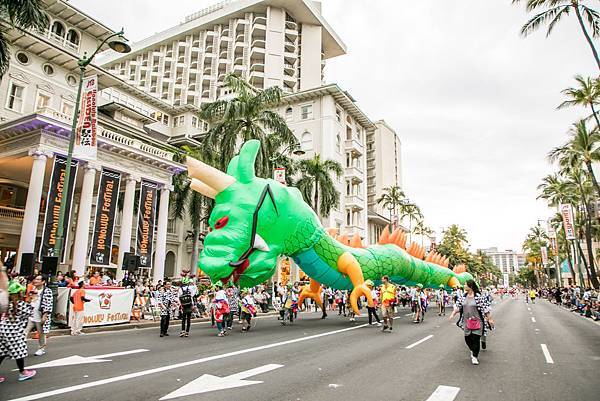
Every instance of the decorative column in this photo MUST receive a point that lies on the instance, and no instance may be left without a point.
(126, 222)
(32, 207)
(82, 233)
(161, 234)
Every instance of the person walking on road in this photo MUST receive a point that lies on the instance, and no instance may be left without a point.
(78, 300)
(12, 330)
(165, 299)
(187, 299)
(220, 309)
(474, 310)
(388, 301)
(442, 297)
(532, 295)
(248, 310)
(372, 311)
(42, 311)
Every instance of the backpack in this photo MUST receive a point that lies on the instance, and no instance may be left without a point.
(186, 298)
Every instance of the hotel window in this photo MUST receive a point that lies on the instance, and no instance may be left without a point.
(73, 37)
(58, 29)
(15, 97)
(67, 108)
(194, 121)
(306, 141)
(42, 101)
(338, 115)
(338, 143)
(178, 121)
(306, 112)
(289, 114)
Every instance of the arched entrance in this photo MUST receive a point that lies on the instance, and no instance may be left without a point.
(170, 264)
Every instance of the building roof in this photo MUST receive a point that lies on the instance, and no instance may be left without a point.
(304, 11)
(340, 96)
(77, 18)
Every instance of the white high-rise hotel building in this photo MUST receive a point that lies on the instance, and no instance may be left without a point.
(150, 98)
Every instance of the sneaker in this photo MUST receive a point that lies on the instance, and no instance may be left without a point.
(352, 319)
(378, 324)
(391, 328)
(384, 327)
(229, 328)
(483, 345)
(474, 361)
(220, 334)
(166, 334)
(26, 375)
(2, 379)
(40, 352)
(186, 334)
(182, 334)
(162, 335)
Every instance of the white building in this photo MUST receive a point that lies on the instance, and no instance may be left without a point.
(148, 104)
(384, 170)
(508, 261)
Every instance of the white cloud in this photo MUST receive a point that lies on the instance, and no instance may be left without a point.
(472, 100)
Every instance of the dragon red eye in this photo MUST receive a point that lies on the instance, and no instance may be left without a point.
(222, 222)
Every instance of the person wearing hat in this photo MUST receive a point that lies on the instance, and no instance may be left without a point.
(248, 309)
(220, 309)
(442, 297)
(372, 310)
(418, 303)
(388, 302)
(12, 330)
(187, 298)
(165, 300)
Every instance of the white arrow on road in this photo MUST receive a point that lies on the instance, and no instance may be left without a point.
(78, 360)
(206, 383)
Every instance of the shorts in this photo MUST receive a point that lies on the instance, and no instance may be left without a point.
(246, 316)
(387, 311)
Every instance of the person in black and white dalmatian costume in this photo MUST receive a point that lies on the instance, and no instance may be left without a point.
(12, 330)
(41, 301)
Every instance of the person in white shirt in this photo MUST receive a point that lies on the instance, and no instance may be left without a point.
(42, 311)
(248, 310)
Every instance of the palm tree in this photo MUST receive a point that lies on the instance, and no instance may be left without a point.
(24, 14)
(246, 116)
(391, 198)
(558, 9)
(583, 147)
(587, 95)
(413, 212)
(317, 186)
(187, 202)
(422, 230)
(455, 236)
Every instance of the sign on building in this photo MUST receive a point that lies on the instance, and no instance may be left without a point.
(146, 219)
(544, 253)
(566, 210)
(85, 131)
(279, 175)
(104, 221)
(55, 197)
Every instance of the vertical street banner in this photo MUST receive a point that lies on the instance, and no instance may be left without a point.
(566, 211)
(85, 131)
(279, 175)
(146, 218)
(55, 197)
(553, 246)
(544, 253)
(104, 220)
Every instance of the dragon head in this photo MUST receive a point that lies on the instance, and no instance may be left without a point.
(248, 221)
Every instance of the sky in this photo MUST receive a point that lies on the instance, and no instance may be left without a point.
(473, 102)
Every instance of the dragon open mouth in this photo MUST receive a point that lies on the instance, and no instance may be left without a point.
(243, 262)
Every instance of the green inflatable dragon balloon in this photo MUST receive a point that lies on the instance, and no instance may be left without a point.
(255, 220)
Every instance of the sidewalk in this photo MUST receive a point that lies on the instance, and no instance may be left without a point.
(134, 324)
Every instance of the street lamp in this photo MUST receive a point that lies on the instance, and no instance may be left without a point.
(293, 148)
(119, 44)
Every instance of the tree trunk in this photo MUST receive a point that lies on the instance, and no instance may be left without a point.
(316, 198)
(595, 115)
(194, 256)
(590, 170)
(585, 264)
(585, 33)
(588, 240)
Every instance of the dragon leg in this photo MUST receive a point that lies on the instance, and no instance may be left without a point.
(453, 282)
(348, 265)
(313, 291)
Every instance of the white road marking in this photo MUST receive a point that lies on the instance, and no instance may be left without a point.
(77, 360)
(444, 393)
(419, 342)
(547, 354)
(177, 366)
(532, 319)
(206, 383)
(528, 308)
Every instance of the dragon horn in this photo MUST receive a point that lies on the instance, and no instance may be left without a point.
(356, 242)
(204, 189)
(401, 240)
(394, 236)
(212, 177)
(332, 231)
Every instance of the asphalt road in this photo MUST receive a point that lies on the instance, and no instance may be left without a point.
(331, 359)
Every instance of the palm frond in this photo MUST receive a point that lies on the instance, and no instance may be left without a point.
(593, 19)
(553, 14)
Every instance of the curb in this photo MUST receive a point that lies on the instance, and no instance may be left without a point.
(133, 325)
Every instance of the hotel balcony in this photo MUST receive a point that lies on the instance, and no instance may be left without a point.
(291, 25)
(354, 201)
(355, 173)
(62, 40)
(355, 146)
